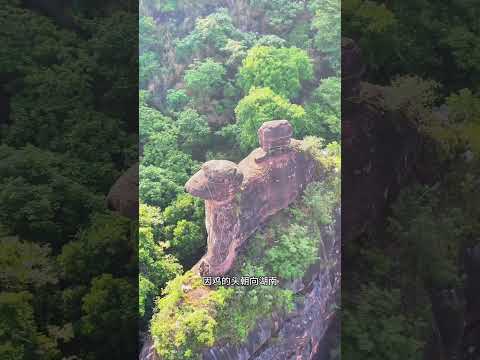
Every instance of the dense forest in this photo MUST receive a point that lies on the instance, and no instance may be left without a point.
(68, 101)
(410, 284)
(211, 72)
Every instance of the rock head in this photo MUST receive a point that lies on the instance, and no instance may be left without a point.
(217, 180)
(274, 135)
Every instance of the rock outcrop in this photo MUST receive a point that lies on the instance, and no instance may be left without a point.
(123, 195)
(239, 198)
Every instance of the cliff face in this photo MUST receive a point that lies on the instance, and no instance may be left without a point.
(379, 149)
(298, 335)
(239, 198)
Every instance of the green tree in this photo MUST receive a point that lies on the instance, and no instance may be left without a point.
(19, 334)
(176, 100)
(323, 110)
(260, 105)
(281, 69)
(327, 25)
(379, 328)
(188, 241)
(183, 326)
(108, 238)
(183, 227)
(150, 66)
(184, 207)
(108, 307)
(209, 37)
(279, 15)
(155, 266)
(205, 79)
(38, 201)
(25, 265)
(194, 132)
(152, 121)
(157, 187)
(294, 248)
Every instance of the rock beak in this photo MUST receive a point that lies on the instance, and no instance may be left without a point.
(197, 184)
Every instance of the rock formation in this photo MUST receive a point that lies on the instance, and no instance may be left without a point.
(123, 195)
(239, 198)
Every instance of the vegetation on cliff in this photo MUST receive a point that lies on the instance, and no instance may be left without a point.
(190, 316)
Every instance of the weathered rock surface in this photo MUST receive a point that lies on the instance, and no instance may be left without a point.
(275, 135)
(239, 198)
(123, 195)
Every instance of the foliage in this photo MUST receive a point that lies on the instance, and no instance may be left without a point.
(19, 334)
(184, 321)
(375, 24)
(327, 25)
(281, 69)
(271, 41)
(431, 224)
(187, 240)
(261, 105)
(155, 266)
(464, 106)
(327, 157)
(423, 230)
(280, 15)
(187, 237)
(149, 67)
(246, 306)
(109, 238)
(293, 252)
(68, 82)
(323, 110)
(108, 306)
(209, 37)
(176, 99)
(191, 109)
(36, 193)
(25, 265)
(379, 328)
(205, 78)
(287, 247)
(412, 96)
(194, 132)
(157, 187)
(153, 121)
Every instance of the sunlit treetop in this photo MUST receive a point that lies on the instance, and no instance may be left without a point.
(281, 69)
